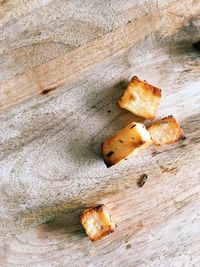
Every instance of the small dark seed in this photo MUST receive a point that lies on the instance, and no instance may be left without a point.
(132, 126)
(121, 141)
(109, 154)
(142, 180)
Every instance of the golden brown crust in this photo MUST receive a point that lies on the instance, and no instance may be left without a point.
(125, 142)
(155, 90)
(166, 131)
(141, 98)
(97, 222)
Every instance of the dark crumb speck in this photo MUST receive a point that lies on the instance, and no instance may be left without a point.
(183, 137)
(128, 246)
(109, 154)
(142, 180)
(109, 111)
(46, 91)
(120, 141)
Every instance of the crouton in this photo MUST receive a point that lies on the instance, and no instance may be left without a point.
(141, 98)
(97, 222)
(166, 131)
(125, 142)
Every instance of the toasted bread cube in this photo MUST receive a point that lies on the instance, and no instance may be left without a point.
(125, 142)
(166, 131)
(97, 222)
(141, 98)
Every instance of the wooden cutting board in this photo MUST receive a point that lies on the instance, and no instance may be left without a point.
(63, 66)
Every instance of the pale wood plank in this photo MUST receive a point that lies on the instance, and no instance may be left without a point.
(33, 32)
(66, 68)
(51, 168)
(31, 144)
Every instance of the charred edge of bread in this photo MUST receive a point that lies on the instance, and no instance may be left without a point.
(106, 232)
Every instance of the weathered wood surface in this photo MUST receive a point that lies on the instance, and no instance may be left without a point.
(50, 164)
(68, 66)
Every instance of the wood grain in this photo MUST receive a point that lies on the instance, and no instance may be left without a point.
(50, 161)
(67, 68)
(33, 32)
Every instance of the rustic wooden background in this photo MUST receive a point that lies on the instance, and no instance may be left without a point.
(63, 66)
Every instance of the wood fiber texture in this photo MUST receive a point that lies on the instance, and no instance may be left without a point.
(63, 67)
